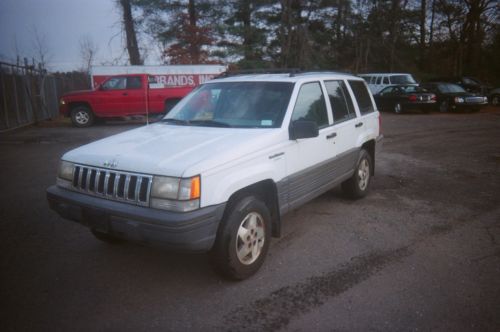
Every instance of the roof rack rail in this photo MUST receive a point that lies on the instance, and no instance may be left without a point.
(311, 72)
(290, 71)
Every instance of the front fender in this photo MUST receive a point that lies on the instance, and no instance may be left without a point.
(219, 186)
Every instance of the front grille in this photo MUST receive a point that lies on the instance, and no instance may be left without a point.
(114, 185)
(474, 100)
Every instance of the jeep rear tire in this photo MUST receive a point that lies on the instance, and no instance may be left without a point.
(359, 184)
(82, 116)
(242, 239)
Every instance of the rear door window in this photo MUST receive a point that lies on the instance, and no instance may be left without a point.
(340, 101)
(362, 96)
(134, 82)
(386, 80)
(311, 105)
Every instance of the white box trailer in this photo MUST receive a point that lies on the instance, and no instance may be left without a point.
(172, 76)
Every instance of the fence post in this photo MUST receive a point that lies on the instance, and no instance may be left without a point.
(30, 111)
(56, 98)
(4, 94)
(15, 98)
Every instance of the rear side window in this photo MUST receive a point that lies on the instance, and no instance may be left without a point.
(362, 96)
(311, 105)
(340, 100)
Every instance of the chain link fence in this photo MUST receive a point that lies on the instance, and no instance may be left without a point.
(29, 95)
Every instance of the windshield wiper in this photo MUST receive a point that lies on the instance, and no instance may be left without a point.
(210, 123)
(176, 121)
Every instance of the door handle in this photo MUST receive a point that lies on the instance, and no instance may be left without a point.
(357, 125)
(332, 135)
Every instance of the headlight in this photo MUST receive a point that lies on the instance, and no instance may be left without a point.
(165, 187)
(175, 194)
(459, 100)
(65, 174)
(62, 102)
(66, 170)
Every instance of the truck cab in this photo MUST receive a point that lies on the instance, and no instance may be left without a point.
(120, 96)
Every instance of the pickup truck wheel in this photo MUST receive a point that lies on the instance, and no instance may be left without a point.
(105, 237)
(82, 116)
(243, 239)
(357, 186)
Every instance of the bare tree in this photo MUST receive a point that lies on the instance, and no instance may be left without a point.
(40, 48)
(88, 51)
(130, 33)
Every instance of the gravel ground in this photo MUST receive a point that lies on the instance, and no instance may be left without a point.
(420, 252)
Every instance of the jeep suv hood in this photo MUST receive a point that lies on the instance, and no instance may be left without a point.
(165, 149)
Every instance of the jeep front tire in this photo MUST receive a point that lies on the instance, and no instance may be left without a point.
(242, 239)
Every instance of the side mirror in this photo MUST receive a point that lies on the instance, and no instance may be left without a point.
(303, 129)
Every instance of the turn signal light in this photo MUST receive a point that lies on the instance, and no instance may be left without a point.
(195, 187)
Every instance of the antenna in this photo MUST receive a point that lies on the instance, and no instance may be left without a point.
(146, 94)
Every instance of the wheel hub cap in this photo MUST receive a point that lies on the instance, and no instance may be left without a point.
(82, 117)
(250, 238)
(363, 174)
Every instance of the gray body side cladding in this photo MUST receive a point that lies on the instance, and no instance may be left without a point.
(299, 188)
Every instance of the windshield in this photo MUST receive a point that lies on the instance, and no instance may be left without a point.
(450, 88)
(402, 79)
(234, 104)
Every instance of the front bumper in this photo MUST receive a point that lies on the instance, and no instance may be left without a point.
(191, 231)
(420, 105)
(467, 106)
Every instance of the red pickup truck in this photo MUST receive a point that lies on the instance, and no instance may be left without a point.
(119, 96)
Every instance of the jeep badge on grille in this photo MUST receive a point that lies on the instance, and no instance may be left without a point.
(111, 164)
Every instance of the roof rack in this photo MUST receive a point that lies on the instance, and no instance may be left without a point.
(312, 72)
(291, 71)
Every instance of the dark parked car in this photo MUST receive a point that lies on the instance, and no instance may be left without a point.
(452, 97)
(495, 97)
(399, 98)
(470, 84)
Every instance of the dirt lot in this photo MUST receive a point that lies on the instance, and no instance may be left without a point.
(421, 252)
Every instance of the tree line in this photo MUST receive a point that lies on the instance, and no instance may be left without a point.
(426, 37)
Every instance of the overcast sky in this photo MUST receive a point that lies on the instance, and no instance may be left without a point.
(61, 24)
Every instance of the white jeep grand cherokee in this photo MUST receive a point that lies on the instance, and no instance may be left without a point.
(221, 169)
